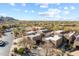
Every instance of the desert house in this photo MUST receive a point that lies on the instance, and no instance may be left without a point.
(76, 42)
(34, 36)
(59, 32)
(46, 32)
(67, 25)
(70, 37)
(56, 40)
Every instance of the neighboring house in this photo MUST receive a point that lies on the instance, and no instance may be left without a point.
(67, 25)
(35, 36)
(70, 37)
(49, 34)
(76, 42)
(56, 40)
(46, 32)
(31, 33)
(59, 32)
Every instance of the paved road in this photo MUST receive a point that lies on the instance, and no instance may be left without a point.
(4, 51)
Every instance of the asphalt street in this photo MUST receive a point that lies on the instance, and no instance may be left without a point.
(8, 38)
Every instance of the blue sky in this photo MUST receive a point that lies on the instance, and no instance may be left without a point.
(40, 11)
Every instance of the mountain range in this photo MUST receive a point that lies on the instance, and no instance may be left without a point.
(2, 18)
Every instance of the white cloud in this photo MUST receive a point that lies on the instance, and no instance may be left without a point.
(16, 9)
(72, 7)
(23, 4)
(25, 11)
(53, 12)
(43, 14)
(65, 8)
(43, 5)
(12, 4)
(66, 12)
(50, 13)
(58, 3)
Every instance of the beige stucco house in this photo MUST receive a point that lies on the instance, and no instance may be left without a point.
(76, 42)
(56, 40)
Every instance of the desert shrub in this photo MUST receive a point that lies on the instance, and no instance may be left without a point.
(21, 51)
(34, 46)
(4, 27)
(15, 50)
(63, 50)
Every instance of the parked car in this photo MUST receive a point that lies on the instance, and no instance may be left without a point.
(2, 43)
(8, 30)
